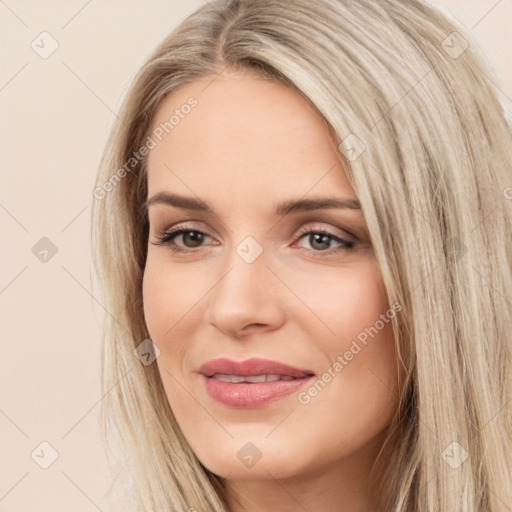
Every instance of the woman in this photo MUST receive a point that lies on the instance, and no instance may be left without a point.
(302, 225)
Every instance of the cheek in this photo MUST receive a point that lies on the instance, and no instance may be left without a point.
(346, 302)
(168, 297)
(363, 319)
(369, 327)
(356, 338)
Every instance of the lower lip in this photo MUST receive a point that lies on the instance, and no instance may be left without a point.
(251, 394)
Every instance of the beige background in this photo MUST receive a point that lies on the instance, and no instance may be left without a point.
(55, 116)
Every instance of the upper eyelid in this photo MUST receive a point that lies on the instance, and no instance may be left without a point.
(349, 217)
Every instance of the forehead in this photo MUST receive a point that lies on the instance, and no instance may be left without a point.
(254, 136)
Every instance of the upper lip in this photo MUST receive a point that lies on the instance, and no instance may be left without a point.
(251, 367)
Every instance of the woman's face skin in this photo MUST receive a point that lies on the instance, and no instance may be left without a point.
(246, 147)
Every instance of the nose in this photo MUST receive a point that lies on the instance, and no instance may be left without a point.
(245, 300)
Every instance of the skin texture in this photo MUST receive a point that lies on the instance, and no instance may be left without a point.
(247, 145)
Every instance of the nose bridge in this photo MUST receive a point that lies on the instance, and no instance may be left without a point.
(243, 295)
(245, 270)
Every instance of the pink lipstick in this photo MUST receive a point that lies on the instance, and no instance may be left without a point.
(251, 383)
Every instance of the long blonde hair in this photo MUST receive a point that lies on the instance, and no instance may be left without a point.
(410, 101)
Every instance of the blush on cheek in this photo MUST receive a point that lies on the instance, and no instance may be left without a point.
(353, 309)
(165, 301)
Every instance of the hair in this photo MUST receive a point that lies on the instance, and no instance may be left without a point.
(391, 78)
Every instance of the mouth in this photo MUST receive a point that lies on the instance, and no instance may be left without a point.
(252, 383)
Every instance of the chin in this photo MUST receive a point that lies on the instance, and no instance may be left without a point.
(244, 460)
(262, 470)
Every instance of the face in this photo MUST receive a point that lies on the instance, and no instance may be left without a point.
(253, 266)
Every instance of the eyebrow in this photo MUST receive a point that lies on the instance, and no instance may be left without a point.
(282, 209)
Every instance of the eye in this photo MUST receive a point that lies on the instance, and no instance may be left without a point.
(188, 234)
(320, 241)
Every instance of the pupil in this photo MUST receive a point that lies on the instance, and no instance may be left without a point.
(322, 238)
(195, 236)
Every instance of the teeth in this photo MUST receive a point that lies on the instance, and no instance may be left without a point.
(228, 378)
(255, 378)
(236, 379)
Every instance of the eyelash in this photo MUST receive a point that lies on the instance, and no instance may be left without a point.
(167, 238)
